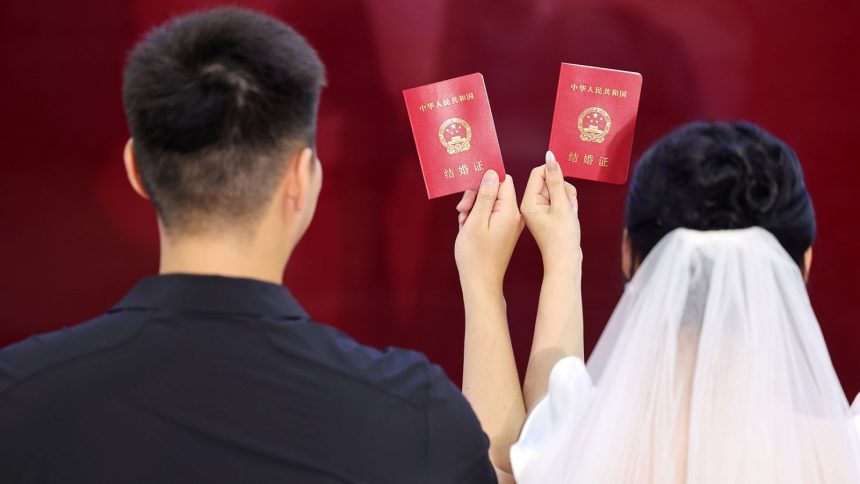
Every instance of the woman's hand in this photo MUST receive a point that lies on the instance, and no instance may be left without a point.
(549, 208)
(490, 225)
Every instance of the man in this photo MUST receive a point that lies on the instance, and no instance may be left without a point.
(211, 371)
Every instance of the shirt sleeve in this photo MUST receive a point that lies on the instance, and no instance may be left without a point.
(457, 446)
(570, 390)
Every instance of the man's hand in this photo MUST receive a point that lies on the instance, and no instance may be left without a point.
(490, 225)
(549, 209)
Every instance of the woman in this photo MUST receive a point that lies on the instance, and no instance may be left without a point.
(712, 368)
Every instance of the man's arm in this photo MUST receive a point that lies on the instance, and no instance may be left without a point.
(504, 477)
(457, 446)
(490, 379)
(489, 229)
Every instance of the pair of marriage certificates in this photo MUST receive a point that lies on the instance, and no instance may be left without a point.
(591, 136)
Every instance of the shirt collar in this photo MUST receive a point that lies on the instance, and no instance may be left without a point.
(212, 293)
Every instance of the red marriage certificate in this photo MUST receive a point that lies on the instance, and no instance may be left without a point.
(454, 134)
(593, 122)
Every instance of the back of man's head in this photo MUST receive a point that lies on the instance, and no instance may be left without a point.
(214, 101)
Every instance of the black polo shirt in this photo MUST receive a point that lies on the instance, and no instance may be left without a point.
(203, 379)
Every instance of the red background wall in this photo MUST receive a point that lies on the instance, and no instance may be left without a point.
(378, 260)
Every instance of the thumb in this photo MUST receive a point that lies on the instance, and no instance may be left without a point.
(555, 182)
(486, 199)
(507, 194)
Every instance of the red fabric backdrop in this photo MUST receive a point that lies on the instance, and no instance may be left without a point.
(378, 260)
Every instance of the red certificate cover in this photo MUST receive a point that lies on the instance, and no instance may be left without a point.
(454, 134)
(593, 122)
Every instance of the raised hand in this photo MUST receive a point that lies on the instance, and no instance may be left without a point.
(490, 225)
(549, 208)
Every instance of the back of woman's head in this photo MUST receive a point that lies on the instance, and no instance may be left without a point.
(714, 176)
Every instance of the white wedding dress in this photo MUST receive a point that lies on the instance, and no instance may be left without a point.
(711, 370)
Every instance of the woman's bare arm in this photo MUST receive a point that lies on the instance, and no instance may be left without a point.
(550, 211)
(558, 327)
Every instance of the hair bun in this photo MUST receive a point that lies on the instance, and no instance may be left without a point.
(714, 176)
(761, 190)
(735, 184)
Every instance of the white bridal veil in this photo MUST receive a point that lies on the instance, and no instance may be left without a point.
(712, 370)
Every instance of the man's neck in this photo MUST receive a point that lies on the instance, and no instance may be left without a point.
(222, 256)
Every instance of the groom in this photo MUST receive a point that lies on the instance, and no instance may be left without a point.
(211, 371)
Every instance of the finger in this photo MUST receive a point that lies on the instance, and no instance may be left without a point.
(571, 196)
(534, 187)
(543, 197)
(485, 200)
(507, 195)
(536, 181)
(555, 182)
(468, 201)
(465, 206)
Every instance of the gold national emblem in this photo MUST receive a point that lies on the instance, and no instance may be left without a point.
(455, 134)
(594, 124)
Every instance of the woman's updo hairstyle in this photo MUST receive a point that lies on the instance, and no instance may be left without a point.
(713, 176)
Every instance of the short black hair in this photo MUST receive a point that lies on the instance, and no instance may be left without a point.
(213, 99)
(712, 176)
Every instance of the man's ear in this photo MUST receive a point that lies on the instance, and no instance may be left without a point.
(131, 169)
(299, 178)
(626, 255)
(807, 263)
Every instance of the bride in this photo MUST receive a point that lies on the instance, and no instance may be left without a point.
(712, 368)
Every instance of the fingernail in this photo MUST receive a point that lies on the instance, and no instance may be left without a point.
(574, 204)
(461, 218)
(490, 178)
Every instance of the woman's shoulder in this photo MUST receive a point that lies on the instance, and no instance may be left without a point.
(569, 387)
